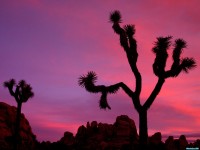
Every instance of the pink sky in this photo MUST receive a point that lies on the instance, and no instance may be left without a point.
(51, 43)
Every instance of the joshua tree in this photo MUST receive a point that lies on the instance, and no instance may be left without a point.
(128, 42)
(22, 93)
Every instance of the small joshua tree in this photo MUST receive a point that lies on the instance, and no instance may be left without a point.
(129, 45)
(22, 93)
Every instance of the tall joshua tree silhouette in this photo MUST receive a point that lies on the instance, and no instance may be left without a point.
(22, 93)
(128, 42)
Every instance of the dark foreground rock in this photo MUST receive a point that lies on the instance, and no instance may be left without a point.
(7, 125)
(180, 144)
(122, 135)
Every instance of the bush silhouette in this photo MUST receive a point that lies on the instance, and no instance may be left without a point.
(160, 49)
(22, 93)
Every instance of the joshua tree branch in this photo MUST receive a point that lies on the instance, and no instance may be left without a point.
(123, 37)
(154, 93)
(109, 89)
(138, 77)
(173, 72)
(11, 91)
(14, 94)
(126, 89)
(129, 44)
(17, 97)
(113, 88)
(132, 56)
(88, 82)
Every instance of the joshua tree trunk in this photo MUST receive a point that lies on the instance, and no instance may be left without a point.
(143, 134)
(17, 127)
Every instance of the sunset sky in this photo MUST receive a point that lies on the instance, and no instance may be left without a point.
(50, 43)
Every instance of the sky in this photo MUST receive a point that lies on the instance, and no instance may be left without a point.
(50, 43)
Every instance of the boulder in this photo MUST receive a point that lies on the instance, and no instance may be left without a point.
(155, 142)
(156, 138)
(169, 143)
(68, 139)
(182, 142)
(7, 126)
(94, 124)
(81, 131)
(125, 128)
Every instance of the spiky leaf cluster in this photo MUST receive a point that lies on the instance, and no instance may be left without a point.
(10, 83)
(179, 45)
(162, 44)
(22, 92)
(129, 29)
(127, 41)
(160, 49)
(88, 82)
(85, 80)
(25, 91)
(115, 17)
(188, 64)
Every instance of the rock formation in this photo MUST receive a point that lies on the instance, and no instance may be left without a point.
(94, 136)
(177, 144)
(155, 142)
(169, 143)
(7, 124)
(100, 136)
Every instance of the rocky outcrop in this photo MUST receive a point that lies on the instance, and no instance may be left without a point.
(155, 142)
(100, 136)
(68, 139)
(170, 144)
(156, 138)
(177, 144)
(95, 135)
(7, 125)
(182, 142)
